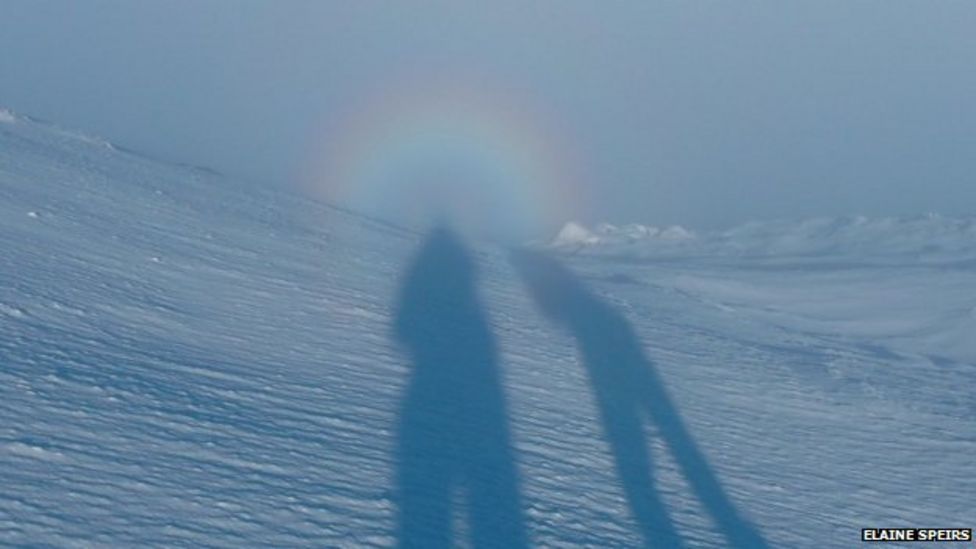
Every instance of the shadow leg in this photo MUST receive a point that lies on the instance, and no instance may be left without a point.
(496, 514)
(424, 484)
(634, 465)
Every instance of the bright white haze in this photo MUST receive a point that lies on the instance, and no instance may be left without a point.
(705, 114)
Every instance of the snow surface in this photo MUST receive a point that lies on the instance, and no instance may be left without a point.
(189, 361)
(929, 238)
(7, 117)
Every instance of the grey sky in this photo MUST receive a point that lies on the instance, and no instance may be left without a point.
(700, 113)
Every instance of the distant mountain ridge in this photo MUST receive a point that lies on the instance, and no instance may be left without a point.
(930, 236)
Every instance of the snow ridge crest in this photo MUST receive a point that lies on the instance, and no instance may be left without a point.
(929, 235)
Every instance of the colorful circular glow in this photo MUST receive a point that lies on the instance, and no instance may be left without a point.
(433, 152)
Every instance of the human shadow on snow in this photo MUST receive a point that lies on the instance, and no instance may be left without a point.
(453, 442)
(629, 393)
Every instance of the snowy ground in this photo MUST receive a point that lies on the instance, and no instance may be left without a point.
(191, 361)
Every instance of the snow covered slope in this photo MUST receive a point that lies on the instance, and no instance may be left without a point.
(930, 239)
(189, 361)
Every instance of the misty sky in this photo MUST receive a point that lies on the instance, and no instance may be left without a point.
(705, 114)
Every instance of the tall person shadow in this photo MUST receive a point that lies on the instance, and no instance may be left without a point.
(453, 442)
(629, 393)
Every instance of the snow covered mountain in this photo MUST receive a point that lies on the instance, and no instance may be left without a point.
(929, 239)
(190, 361)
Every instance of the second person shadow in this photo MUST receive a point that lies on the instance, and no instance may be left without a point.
(629, 392)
